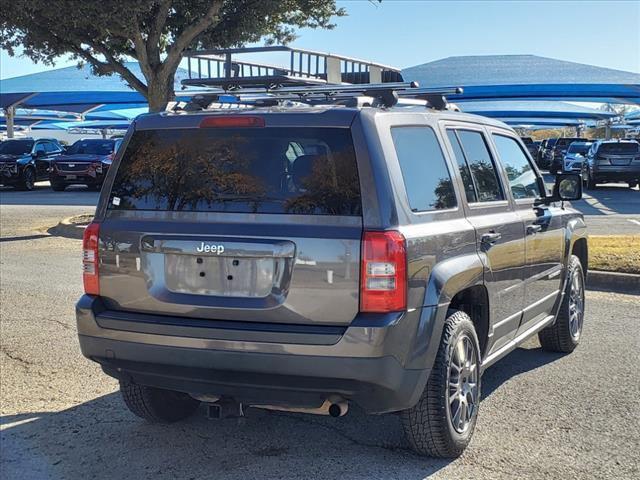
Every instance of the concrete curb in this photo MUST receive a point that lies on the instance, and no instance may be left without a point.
(67, 228)
(613, 282)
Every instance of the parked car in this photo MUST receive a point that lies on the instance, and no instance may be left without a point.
(531, 146)
(86, 162)
(320, 256)
(559, 150)
(547, 153)
(541, 148)
(612, 161)
(25, 161)
(575, 157)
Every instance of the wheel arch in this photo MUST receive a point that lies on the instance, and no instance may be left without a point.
(458, 279)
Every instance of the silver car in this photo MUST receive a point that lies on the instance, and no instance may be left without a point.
(575, 156)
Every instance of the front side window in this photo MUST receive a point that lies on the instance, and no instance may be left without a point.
(40, 148)
(483, 170)
(522, 178)
(424, 170)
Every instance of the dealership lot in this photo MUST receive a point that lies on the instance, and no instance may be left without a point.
(544, 415)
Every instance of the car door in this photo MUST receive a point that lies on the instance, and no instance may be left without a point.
(544, 239)
(499, 230)
(41, 162)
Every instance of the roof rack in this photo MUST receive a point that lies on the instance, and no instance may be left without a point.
(364, 94)
(218, 68)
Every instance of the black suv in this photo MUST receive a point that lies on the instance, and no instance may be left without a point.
(531, 146)
(25, 161)
(612, 161)
(86, 162)
(306, 251)
(546, 155)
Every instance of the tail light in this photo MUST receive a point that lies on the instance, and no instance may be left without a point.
(383, 279)
(90, 259)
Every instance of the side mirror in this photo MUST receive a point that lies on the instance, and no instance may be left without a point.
(568, 187)
(38, 154)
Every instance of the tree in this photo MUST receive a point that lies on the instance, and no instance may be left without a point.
(154, 32)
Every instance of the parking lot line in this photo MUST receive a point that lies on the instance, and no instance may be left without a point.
(637, 222)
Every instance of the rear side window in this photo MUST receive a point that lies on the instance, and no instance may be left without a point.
(481, 166)
(424, 171)
(522, 179)
(245, 170)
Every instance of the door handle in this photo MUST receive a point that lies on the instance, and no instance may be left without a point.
(533, 229)
(490, 237)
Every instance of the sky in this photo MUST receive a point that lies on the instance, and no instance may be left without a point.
(403, 33)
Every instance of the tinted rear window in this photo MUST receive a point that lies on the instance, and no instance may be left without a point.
(424, 170)
(619, 148)
(244, 170)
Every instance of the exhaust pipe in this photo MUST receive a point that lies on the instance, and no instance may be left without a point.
(333, 406)
(338, 409)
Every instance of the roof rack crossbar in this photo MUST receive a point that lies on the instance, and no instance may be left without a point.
(385, 94)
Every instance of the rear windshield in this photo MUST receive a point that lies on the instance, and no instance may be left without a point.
(91, 147)
(16, 147)
(563, 142)
(579, 148)
(245, 170)
(619, 148)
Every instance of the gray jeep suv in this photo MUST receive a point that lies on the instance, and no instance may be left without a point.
(309, 257)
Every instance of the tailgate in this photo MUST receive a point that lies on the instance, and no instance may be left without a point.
(279, 272)
(251, 224)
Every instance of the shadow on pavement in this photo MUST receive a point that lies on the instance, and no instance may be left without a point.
(521, 360)
(76, 195)
(101, 439)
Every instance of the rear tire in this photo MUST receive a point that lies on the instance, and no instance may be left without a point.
(157, 405)
(564, 335)
(429, 425)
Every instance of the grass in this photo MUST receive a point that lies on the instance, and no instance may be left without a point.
(615, 253)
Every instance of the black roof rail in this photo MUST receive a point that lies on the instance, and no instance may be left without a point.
(220, 68)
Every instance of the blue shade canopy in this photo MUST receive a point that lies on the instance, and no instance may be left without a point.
(73, 89)
(527, 77)
(534, 109)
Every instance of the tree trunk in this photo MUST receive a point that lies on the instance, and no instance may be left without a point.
(160, 92)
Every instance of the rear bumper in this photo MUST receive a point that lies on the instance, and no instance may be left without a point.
(625, 173)
(256, 372)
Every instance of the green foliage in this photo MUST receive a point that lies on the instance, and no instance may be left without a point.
(154, 32)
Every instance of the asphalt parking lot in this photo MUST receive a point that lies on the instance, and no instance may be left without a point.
(543, 415)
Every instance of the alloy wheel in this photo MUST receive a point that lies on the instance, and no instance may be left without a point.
(576, 305)
(463, 384)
